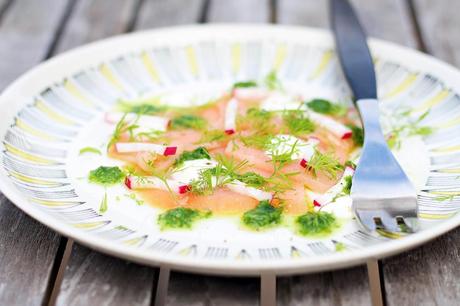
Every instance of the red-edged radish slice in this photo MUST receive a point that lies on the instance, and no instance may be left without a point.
(308, 150)
(152, 182)
(130, 147)
(250, 93)
(241, 188)
(146, 122)
(230, 116)
(333, 126)
(328, 196)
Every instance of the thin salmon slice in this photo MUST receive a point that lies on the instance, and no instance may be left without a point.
(222, 201)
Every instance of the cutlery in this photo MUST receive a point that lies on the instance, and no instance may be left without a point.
(383, 197)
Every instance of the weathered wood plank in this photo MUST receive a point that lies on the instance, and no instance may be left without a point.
(342, 287)
(430, 275)
(93, 20)
(27, 248)
(439, 24)
(27, 251)
(194, 290)
(239, 11)
(382, 19)
(92, 278)
(161, 13)
(25, 35)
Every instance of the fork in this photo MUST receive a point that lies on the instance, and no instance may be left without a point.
(383, 197)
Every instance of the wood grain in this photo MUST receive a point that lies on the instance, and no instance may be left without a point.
(430, 274)
(27, 248)
(162, 13)
(93, 20)
(439, 25)
(387, 19)
(239, 11)
(341, 287)
(196, 290)
(26, 34)
(92, 278)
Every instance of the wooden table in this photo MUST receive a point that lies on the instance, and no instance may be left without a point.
(39, 267)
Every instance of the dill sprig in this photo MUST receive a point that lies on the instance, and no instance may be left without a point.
(272, 82)
(324, 162)
(408, 128)
(212, 136)
(259, 121)
(297, 122)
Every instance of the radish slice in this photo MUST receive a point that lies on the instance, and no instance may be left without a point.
(251, 93)
(143, 121)
(152, 182)
(230, 116)
(323, 199)
(308, 150)
(333, 126)
(130, 147)
(241, 188)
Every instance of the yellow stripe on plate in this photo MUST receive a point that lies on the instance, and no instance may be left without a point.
(192, 60)
(236, 58)
(27, 128)
(447, 149)
(52, 203)
(90, 225)
(438, 98)
(435, 216)
(108, 74)
(32, 180)
(52, 114)
(280, 56)
(28, 156)
(135, 241)
(150, 66)
(74, 91)
(447, 192)
(408, 81)
(451, 170)
(325, 60)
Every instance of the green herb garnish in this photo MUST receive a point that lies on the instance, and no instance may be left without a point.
(90, 150)
(357, 135)
(298, 123)
(212, 135)
(324, 162)
(180, 218)
(272, 82)
(314, 223)
(411, 128)
(245, 84)
(198, 153)
(103, 207)
(144, 109)
(263, 216)
(188, 122)
(106, 176)
(326, 107)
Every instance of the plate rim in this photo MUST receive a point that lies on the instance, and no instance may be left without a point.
(190, 264)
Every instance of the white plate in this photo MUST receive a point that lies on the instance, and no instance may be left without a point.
(55, 109)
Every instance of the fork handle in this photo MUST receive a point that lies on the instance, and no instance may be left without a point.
(369, 110)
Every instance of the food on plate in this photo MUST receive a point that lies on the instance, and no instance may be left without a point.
(257, 151)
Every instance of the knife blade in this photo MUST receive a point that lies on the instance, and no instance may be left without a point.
(353, 51)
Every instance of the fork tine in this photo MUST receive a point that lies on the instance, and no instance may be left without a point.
(366, 219)
(389, 222)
